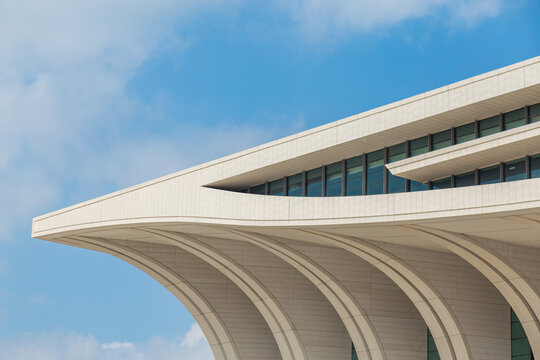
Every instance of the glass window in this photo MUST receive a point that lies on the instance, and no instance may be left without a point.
(442, 183)
(441, 139)
(354, 176)
(490, 175)
(521, 349)
(534, 113)
(243, 190)
(314, 182)
(259, 189)
(354, 354)
(294, 185)
(514, 170)
(535, 166)
(333, 179)
(467, 179)
(395, 153)
(276, 187)
(418, 146)
(488, 126)
(514, 119)
(418, 186)
(433, 353)
(375, 171)
(465, 133)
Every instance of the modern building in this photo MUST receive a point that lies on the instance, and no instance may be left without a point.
(410, 231)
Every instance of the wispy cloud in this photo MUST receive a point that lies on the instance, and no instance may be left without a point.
(64, 104)
(60, 345)
(330, 19)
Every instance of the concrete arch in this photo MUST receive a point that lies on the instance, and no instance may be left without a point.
(216, 332)
(514, 287)
(438, 316)
(286, 335)
(361, 331)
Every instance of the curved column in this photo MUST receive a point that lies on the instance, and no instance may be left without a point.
(283, 330)
(507, 278)
(438, 316)
(361, 331)
(216, 332)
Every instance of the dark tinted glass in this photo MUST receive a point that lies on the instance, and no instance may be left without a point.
(354, 354)
(441, 139)
(514, 170)
(294, 185)
(520, 347)
(514, 119)
(534, 113)
(418, 146)
(466, 179)
(243, 190)
(259, 189)
(442, 183)
(276, 187)
(535, 166)
(314, 182)
(433, 354)
(490, 175)
(488, 126)
(333, 179)
(395, 153)
(418, 186)
(464, 133)
(354, 176)
(375, 167)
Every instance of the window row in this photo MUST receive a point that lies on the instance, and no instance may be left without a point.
(367, 175)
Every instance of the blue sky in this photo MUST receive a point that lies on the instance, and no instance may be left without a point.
(96, 96)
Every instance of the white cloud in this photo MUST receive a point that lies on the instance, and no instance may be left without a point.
(319, 19)
(64, 70)
(117, 345)
(193, 337)
(61, 345)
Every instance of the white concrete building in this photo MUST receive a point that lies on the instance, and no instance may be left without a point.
(410, 231)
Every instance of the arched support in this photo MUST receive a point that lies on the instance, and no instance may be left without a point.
(286, 335)
(216, 332)
(522, 296)
(361, 331)
(440, 319)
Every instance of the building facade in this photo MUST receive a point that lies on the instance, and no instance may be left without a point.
(410, 231)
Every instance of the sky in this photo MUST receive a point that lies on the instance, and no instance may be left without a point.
(99, 95)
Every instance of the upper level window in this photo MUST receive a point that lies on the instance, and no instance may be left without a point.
(375, 170)
(294, 185)
(490, 175)
(514, 119)
(314, 182)
(465, 133)
(514, 170)
(488, 126)
(466, 179)
(333, 179)
(442, 183)
(441, 139)
(354, 176)
(395, 153)
(418, 146)
(259, 189)
(535, 166)
(276, 187)
(534, 113)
